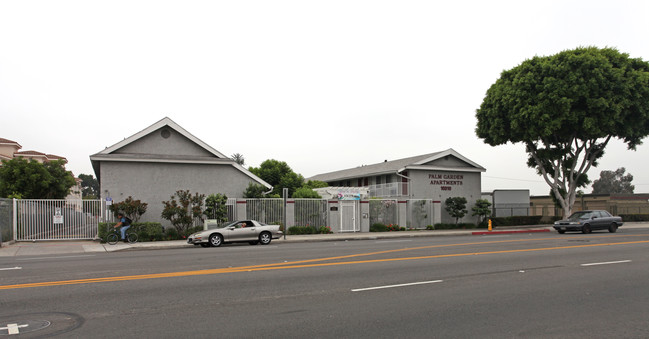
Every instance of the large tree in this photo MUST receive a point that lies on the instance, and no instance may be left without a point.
(613, 182)
(280, 175)
(89, 186)
(565, 109)
(30, 179)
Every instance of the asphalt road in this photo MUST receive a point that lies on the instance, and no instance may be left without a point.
(532, 285)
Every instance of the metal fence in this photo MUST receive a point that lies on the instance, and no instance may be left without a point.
(420, 213)
(270, 211)
(6, 220)
(311, 212)
(383, 212)
(510, 211)
(57, 219)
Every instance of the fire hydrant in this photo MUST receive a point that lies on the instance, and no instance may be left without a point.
(489, 225)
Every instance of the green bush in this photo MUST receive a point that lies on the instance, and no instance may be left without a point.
(378, 227)
(453, 226)
(171, 234)
(146, 231)
(296, 230)
(324, 230)
(394, 228)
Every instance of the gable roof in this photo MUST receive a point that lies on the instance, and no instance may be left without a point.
(162, 123)
(420, 162)
(217, 158)
(4, 141)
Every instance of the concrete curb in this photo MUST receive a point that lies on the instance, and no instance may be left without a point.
(61, 247)
(510, 232)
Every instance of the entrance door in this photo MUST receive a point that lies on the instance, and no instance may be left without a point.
(348, 216)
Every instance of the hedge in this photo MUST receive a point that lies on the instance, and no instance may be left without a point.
(516, 220)
(146, 231)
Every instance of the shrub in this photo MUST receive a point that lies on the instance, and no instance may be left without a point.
(146, 231)
(171, 234)
(295, 230)
(453, 226)
(324, 230)
(183, 210)
(394, 228)
(130, 207)
(378, 227)
(516, 220)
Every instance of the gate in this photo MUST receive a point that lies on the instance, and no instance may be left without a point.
(348, 216)
(420, 213)
(57, 219)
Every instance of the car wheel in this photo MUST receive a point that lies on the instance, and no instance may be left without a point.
(585, 229)
(254, 242)
(216, 240)
(612, 228)
(265, 238)
(561, 231)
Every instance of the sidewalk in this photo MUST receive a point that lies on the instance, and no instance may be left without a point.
(83, 247)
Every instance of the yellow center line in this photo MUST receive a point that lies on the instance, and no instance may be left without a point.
(313, 263)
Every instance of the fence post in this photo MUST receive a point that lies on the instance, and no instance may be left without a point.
(15, 219)
(285, 194)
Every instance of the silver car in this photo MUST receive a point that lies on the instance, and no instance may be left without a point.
(251, 231)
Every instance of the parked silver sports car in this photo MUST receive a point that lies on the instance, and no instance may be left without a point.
(251, 231)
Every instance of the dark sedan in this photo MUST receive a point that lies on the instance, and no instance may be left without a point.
(587, 221)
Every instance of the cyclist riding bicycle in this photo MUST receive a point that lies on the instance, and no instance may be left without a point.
(124, 223)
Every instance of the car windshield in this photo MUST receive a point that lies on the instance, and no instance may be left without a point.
(580, 216)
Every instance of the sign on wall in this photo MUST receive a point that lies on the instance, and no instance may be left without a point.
(446, 181)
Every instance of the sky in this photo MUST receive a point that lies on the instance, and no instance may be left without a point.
(321, 85)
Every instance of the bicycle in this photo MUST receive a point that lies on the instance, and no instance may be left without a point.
(114, 236)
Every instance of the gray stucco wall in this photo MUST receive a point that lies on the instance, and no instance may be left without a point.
(156, 182)
(156, 143)
(441, 185)
(450, 161)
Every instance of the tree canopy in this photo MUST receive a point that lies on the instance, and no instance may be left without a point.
(89, 186)
(30, 179)
(456, 207)
(279, 175)
(565, 108)
(613, 182)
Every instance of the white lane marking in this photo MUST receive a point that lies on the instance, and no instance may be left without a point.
(62, 257)
(13, 328)
(399, 285)
(11, 268)
(606, 263)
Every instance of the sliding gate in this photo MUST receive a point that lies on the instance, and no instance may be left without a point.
(57, 219)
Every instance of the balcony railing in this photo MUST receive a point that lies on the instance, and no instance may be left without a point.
(389, 190)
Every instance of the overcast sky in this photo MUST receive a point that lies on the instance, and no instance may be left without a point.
(321, 85)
